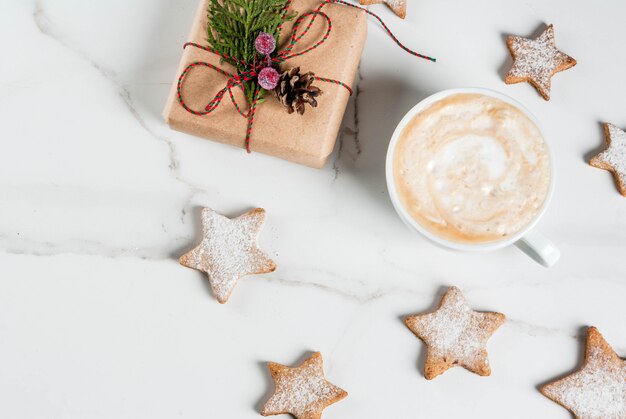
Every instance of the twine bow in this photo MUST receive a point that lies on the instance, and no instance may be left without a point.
(253, 69)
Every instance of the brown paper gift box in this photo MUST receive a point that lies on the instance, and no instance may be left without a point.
(306, 139)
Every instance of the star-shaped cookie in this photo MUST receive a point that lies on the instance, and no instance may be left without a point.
(229, 250)
(614, 157)
(455, 334)
(398, 6)
(301, 391)
(598, 389)
(536, 61)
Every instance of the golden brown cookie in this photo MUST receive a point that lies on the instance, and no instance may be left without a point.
(301, 391)
(454, 335)
(536, 60)
(398, 6)
(598, 389)
(229, 250)
(613, 158)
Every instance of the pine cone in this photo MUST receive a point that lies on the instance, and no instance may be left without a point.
(294, 90)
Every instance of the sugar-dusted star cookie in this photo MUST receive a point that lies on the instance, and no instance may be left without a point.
(614, 157)
(598, 389)
(229, 250)
(536, 61)
(301, 391)
(455, 334)
(398, 6)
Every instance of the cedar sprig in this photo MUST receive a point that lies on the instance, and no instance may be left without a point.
(233, 25)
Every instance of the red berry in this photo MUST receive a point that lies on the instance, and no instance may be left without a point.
(265, 43)
(268, 78)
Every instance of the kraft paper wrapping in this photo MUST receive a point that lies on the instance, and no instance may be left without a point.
(306, 139)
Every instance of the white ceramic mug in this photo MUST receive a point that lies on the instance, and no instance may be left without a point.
(529, 240)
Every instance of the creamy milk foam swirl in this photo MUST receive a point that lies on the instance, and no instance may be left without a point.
(472, 169)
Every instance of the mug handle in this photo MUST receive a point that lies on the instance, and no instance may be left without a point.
(539, 248)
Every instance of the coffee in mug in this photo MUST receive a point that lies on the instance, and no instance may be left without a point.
(472, 169)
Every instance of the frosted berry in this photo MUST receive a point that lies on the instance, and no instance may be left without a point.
(265, 43)
(268, 78)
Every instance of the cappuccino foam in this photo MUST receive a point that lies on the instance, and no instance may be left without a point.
(472, 169)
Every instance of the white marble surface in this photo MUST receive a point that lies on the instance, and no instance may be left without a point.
(98, 197)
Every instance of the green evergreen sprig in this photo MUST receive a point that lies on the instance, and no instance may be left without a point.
(233, 25)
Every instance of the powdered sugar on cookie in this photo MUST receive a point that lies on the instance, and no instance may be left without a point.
(598, 389)
(302, 391)
(536, 61)
(614, 157)
(229, 250)
(455, 335)
(398, 6)
(451, 329)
